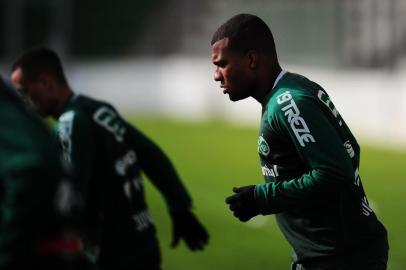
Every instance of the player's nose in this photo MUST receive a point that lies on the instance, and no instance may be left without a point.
(217, 75)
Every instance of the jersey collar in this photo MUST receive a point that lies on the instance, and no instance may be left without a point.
(278, 78)
(283, 72)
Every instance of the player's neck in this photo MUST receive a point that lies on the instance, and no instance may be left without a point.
(266, 82)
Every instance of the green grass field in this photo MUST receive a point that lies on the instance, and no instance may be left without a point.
(213, 157)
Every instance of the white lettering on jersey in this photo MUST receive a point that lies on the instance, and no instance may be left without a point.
(136, 182)
(64, 131)
(323, 97)
(349, 149)
(297, 123)
(109, 119)
(366, 209)
(121, 167)
(275, 169)
(142, 220)
(270, 171)
(127, 189)
(357, 177)
(126, 161)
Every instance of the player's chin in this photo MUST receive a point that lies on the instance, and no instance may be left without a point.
(233, 97)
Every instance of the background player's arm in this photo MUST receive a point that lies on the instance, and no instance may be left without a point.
(159, 170)
(330, 166)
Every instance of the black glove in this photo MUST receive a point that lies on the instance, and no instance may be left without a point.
(242, 203)
(185, 225)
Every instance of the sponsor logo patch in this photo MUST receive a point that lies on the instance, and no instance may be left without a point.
(263, 147)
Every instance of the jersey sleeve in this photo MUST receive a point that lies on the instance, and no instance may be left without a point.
(160, 170)
(318, 144)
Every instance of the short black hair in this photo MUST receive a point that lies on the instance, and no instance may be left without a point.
(246, 32)
(40, 60)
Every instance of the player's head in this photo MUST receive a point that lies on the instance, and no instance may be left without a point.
(240, 48)
(38, 74)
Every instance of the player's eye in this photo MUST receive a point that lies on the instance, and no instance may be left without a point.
(221, 64)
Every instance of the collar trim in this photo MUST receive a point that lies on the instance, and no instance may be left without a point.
(283, 72)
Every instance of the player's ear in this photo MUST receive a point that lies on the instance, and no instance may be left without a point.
(253, 59)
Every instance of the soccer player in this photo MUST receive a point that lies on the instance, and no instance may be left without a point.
(106, 156)
(34, 199)
(309, 158)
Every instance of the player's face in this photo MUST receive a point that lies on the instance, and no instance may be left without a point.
(34, 92)
(232, 71)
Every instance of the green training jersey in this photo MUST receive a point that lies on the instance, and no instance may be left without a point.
(107, 155)
(30, 176)
(310, 162)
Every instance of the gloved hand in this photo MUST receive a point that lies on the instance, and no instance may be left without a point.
(242, 203)
(186, 226)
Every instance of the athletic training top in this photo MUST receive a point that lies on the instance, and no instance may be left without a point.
(310, 161)
(106, 155)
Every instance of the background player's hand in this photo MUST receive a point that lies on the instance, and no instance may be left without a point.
(186, 226)
(242, 203)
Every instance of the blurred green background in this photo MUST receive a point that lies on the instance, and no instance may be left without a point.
(212, 157)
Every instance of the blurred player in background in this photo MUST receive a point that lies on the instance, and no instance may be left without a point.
(35, 205)
(309, 158)
(106, 155)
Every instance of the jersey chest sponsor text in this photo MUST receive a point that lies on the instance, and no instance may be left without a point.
(297, 123)
(109, 119)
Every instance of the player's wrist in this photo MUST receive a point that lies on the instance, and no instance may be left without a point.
(261, 198)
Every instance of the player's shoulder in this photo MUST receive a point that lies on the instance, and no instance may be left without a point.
(82, 107)
(83, 103)
(25, 139)
(92, 105)
(293, 90)
(299, 85)
(295, 86)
